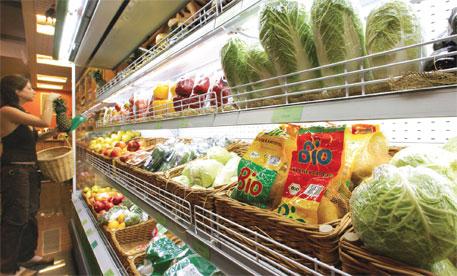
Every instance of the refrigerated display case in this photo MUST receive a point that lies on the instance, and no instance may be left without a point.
(411, 108)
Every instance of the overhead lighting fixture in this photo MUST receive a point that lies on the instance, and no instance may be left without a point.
(49, 78)
(44, 59)
(72, 20)
(45, 25)
(49, 86)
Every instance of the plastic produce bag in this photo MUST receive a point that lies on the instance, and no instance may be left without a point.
(322, 167)
(263, 170)
(408, 214)
(194, 265)
(161, 253)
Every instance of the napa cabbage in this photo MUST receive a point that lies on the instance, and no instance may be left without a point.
(391, 26)
(260, 67)
(339, 36)
(408, 214)
(288, 40)
(233, 59)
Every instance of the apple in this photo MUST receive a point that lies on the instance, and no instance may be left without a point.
(116, 152)
(118, 198)
(184, 87)
(126, 157)
(117, 107)
(99, 206)
(180, 103)
(108, 206)
(120, 144)
(222, 91)
(107, 152)
(133, 145)
(202, 86)
(197, 101)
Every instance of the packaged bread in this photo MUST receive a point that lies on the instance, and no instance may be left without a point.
(323, 166)
(263, 169)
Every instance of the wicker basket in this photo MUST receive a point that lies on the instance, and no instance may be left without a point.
(134, 261)
(56, 163)
(357, 260)
(132, 240)
(306, 238)
(201, 197)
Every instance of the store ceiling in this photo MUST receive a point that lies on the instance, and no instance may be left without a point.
(20, 42)
(138, 19)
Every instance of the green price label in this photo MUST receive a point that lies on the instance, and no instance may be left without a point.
(89, 231)
(287, 114)
(79, 210)
(158, 125)
(84, 222)
(183, 123)
(201, 249)
(109, 272)
(93, 244)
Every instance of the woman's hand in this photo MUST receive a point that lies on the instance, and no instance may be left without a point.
(51, 97)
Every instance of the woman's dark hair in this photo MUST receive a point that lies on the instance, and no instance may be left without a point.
(9, 85)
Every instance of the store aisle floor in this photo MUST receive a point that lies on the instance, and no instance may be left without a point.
(54, 232)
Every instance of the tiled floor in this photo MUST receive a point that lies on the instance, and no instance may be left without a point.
(53, 225)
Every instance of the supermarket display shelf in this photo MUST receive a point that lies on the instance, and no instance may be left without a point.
(204, 231)
(107, 259)
(209, 23)
(415, 103)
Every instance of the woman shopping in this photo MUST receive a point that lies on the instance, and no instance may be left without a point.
(20, 179)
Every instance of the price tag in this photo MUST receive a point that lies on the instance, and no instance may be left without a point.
(287, 114)
(84, 222)
(94, 244)
(183, 123)
(109, 272)
(79, 210)
(158, 125)
(201, 249)
(89, 231)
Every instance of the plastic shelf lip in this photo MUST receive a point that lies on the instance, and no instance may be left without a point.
(417, 103)
(101, 251)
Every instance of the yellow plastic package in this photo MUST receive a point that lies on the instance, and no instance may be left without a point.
(323, 166)
(263, 169)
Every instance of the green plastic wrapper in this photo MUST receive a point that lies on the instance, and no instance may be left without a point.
(194, 265)
(254, 184)
(162, 253)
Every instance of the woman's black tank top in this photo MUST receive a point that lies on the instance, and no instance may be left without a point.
(20, 145)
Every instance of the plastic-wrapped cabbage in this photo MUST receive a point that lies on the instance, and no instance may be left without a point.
(451, 145)
(202, 172)
(287, 38)
(182, 179)
(391, 26)
(219, 154)
(260, 67)
(408, 214)
(339, 36)
(192, 265)
(233, 58)
(228, 172)
(443, 268)
(432, 157)
(132, 218)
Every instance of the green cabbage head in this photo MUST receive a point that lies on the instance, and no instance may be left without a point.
(408, 214)
(390, 26)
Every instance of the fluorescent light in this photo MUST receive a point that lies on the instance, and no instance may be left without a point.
(49, 86)
(50, 268)
(44, 59)
(51, 78)
(71, 24)
(45, 29)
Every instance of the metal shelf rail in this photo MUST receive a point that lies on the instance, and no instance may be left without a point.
(203, 232)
